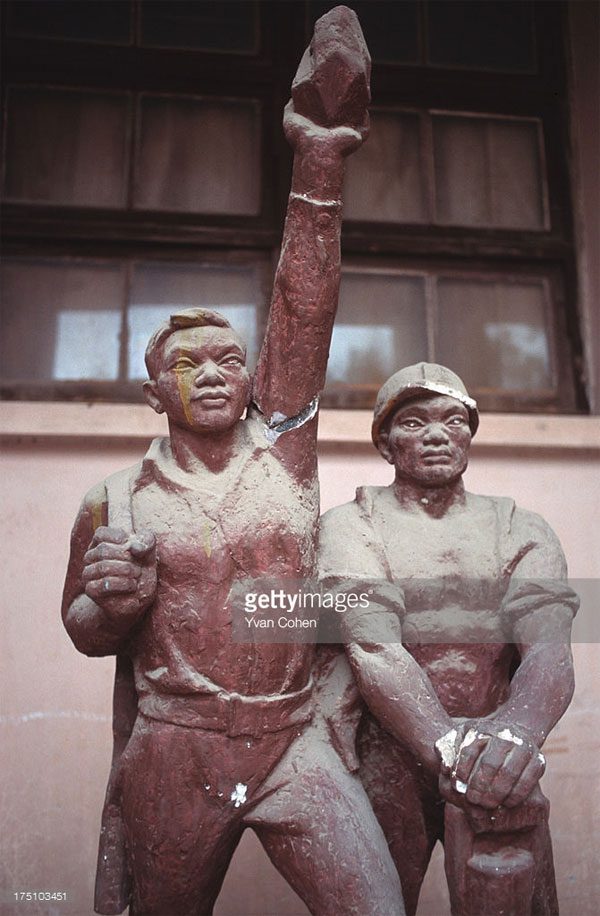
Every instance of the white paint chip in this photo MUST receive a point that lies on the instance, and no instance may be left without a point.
(460, 787)
(446, 747)
(507, 735)
(239, 794)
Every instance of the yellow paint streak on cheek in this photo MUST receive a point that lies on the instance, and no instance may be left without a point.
(207, 538)
(184, 385)
(97, 515)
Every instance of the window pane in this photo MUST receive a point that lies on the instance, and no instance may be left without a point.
(384, 181)
(198, 156)
(66, 147)
(488, 172)
(380, 327)
(216, 26)
(92, 20)
(494, 333)
(391, 30)
(160, 289)
(60, 320)
(481, 36)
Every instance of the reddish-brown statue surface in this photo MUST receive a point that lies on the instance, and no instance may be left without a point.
(225, 736)
(475, 588)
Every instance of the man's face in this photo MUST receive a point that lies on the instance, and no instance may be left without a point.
(427, 440)
(202, 382)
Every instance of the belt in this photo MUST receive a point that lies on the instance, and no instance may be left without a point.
(231, 713)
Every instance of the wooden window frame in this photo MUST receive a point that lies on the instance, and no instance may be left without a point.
(39, 230)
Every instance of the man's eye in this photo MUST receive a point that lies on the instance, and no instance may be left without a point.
(183, 363)
(411, 423)
(456, 421)
(232, 361)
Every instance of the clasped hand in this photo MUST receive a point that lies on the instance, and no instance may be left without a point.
(487, 763)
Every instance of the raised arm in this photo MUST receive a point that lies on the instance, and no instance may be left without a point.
(325, 121)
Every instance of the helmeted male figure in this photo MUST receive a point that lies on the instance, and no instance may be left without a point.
(224, 734)
(474, 587)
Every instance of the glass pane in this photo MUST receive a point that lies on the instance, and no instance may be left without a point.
(160, 289)
(494, 334)
(75, 20)
(198, 156)
(66, 147)
(516, 174)
(380, 327)
(391, 29)
(215, 26)
(488, 172)
(495, 35)
(384, 182)
(60, 320)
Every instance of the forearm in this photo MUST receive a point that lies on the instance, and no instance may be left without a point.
(402, 698)
(540, 690)
(91, 630)
(293, 361)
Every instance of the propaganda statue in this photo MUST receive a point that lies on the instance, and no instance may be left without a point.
(462, 655)
(213, 736)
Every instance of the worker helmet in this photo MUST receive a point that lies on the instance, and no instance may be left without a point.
(422, 378)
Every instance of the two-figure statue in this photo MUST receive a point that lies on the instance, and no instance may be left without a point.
(213, 736)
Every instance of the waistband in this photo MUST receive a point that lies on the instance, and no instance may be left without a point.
(231, 713)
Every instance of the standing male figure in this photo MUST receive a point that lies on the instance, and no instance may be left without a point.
(223, 737)
(475, 589)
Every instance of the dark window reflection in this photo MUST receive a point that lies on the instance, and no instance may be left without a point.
(75, 20)
(215, 26)
(481, 36)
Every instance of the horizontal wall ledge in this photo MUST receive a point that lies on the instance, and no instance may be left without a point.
(115, 422)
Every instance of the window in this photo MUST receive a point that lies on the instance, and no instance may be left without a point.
(145, 169)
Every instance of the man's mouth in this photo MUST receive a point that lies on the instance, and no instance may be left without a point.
(212, 398)
(441, 455)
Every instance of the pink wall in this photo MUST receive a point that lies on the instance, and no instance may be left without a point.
(55, 719)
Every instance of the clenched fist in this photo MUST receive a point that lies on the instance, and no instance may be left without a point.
(120, 572)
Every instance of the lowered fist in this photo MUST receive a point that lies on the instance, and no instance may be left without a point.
(119, 573)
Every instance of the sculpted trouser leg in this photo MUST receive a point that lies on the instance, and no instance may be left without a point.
(182, 825)
(319, 830)
(406, 805)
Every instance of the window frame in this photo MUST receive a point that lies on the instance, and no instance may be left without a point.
(46, 229)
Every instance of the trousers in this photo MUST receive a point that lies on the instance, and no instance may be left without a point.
(187, 794)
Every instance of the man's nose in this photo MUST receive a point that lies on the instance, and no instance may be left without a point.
(436, 432)
(209, 373)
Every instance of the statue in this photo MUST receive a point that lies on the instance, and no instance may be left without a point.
(463, 654)
(213, 736)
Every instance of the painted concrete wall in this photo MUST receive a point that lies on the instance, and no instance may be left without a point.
(55, 717)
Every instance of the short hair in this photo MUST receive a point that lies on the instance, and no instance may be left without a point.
(184, 318)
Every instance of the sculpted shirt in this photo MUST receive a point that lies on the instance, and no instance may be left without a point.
(258, 521)
(456, 584)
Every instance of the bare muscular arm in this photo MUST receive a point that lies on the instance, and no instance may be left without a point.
(292, 364)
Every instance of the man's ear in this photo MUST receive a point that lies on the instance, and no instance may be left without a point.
(384, 446)
(151, 394)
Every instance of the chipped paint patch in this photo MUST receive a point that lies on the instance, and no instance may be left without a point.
(238, 796)
(460, 787)
(541, 758)
(468, 739)
(507, 735)
(446, 747)
(279, 423)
